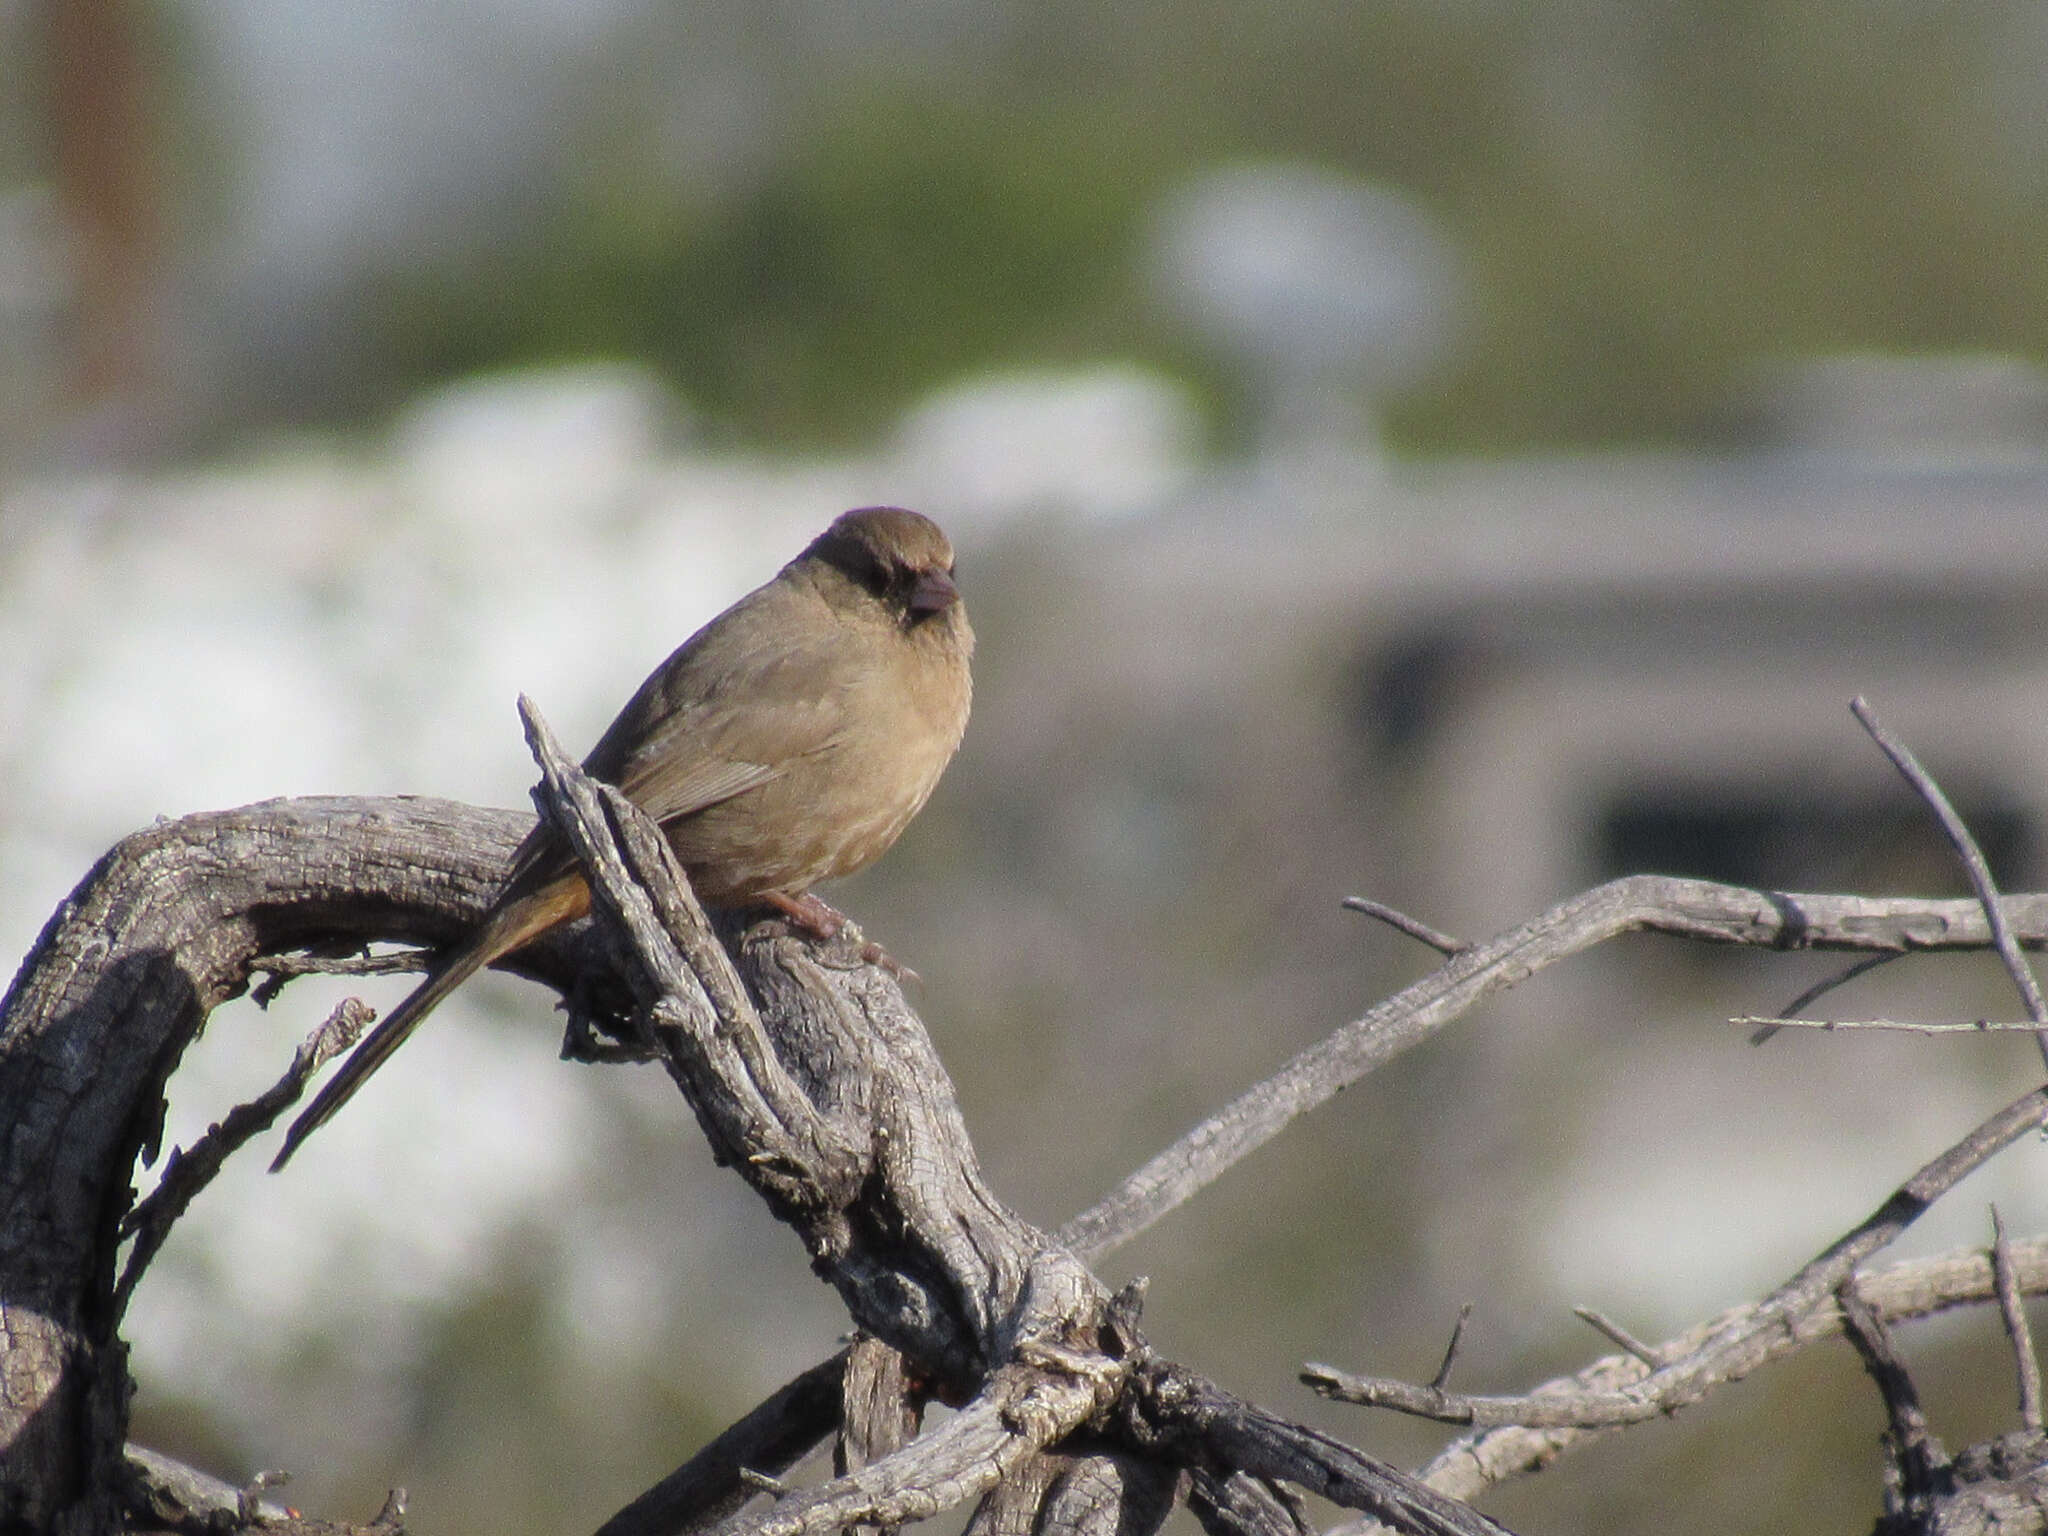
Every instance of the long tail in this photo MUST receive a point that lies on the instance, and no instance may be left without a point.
(506, 929)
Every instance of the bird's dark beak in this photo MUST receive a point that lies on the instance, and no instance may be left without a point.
(933, 592)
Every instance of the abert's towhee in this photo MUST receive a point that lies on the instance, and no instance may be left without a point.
(787, 742)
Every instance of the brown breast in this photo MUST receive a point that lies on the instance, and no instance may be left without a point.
(835, 811)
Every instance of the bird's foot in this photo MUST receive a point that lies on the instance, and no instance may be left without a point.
(873, 954)
(821, 920)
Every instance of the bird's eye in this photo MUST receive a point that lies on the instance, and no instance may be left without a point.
(871, 572)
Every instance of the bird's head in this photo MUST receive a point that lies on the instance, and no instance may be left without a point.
(899, 557)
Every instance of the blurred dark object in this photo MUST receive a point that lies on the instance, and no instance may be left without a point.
(104, 159)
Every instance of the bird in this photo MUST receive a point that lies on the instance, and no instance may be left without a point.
(787, 742)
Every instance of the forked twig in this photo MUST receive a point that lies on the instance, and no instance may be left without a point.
(188, 1171)
(1624, 1389)
(1789, 1013)
(1615, 1390)
(1974, 864)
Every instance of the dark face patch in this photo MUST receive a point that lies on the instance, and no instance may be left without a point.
(897, 556)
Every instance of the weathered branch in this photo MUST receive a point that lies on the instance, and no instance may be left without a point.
(845, 1122)
(1089, 1489)
(704, 1026)
(713, 1484)
(1022, 1410)
(1692, 909)
(161, 931)
(812, 1077)
(1243, 1505)
(1175, 1411)
(879, 1413)
(1524, 1433)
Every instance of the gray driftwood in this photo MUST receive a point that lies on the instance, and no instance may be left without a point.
(812, 1079)
(807, 1071)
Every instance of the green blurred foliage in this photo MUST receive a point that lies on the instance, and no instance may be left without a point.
(906, 244)
(1650, 200)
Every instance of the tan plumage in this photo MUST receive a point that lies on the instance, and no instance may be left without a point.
(787, 742)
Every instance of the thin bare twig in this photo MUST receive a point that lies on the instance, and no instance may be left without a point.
(1414, 927)
(1540, 1410)
(1615, 1389)
(2014, 1312)
(1974, 864)
(1899, 1026)
(1443, 1372)
(1818, 990)
(280, 969)
(187, 1172)
(1614, 1333)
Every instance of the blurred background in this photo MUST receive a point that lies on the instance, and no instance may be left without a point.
(1450, 451)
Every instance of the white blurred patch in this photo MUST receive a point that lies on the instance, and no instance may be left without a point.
(1703, 1179)
(469, 1126)
(1096, 442)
